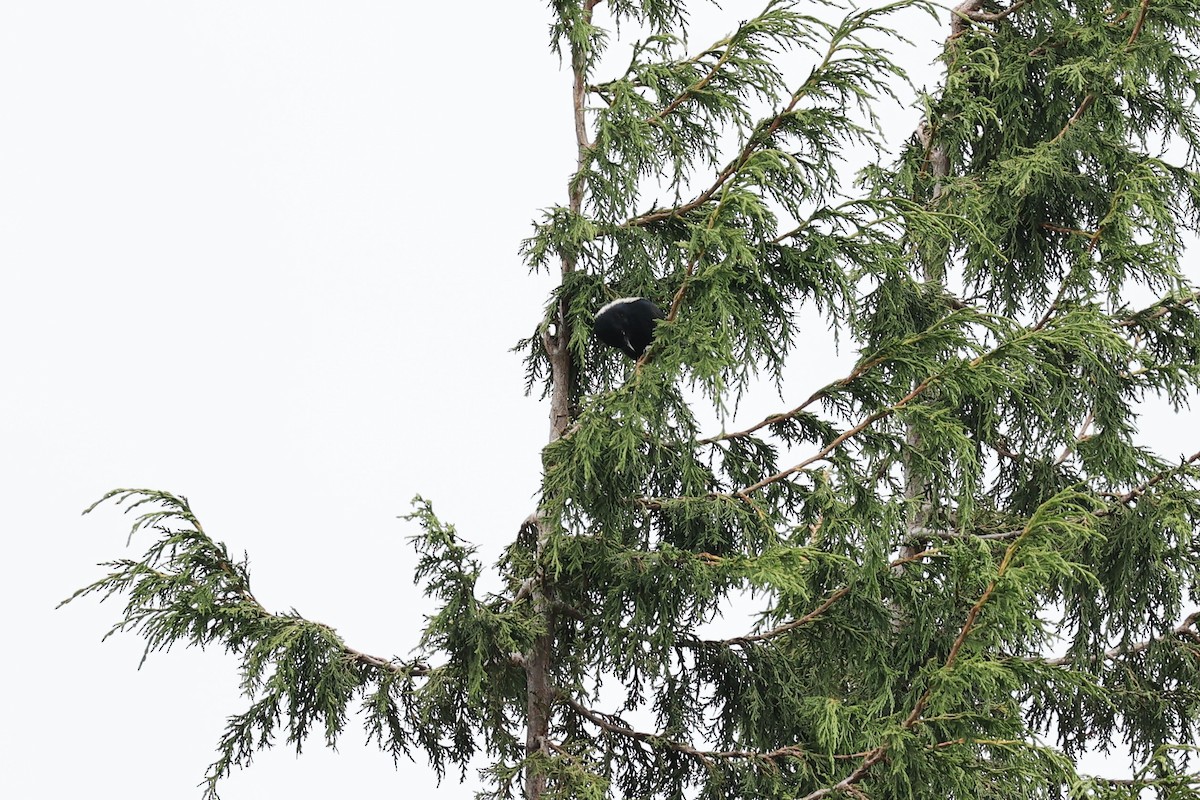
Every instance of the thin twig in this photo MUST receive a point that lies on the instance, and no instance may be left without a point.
(1050, 309)
(821, 393)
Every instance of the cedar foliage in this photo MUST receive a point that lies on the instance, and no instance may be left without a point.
(919, 537)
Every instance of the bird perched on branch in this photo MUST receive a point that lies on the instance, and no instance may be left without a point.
(628, 324)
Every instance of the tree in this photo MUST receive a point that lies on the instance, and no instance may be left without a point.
(955, 551)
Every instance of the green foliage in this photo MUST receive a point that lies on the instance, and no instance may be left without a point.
(300, 675)
(964, 567)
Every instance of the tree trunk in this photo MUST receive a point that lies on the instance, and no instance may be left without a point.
(539, 691)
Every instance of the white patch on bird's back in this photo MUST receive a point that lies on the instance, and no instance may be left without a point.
(618, 302)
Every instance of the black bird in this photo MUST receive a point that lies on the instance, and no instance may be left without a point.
(628, 324)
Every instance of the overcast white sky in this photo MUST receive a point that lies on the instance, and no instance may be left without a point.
(264, 254)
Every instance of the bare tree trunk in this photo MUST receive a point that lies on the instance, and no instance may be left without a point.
(938, 164)
(914, 488)
(539, 691)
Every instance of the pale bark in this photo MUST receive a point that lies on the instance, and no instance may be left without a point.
(537, 663)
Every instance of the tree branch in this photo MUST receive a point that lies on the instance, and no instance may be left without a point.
(821, 393)
(1091, 97)
(612, 724)
(829, 448)
(1185, 629)
(1079, 437)
(1138, 491)
(1164, 307)
(742, 641)
(735, 166)
(985, 16)
(697, 86)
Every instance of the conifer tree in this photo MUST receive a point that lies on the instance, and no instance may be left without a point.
(967, 570)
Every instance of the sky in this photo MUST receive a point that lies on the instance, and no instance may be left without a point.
(265, 255)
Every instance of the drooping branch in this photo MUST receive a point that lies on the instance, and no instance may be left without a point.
(710, 758)
(186, 589)
(1119, 501)
(754, 141)
(867, 422)
(613, 725)
(682, 97)
(187, 564)
(1091, 97)
(820, 394)
(1157, 310)
(781, 630)
(1186, 629)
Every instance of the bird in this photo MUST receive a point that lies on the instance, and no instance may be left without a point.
(627, 324)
